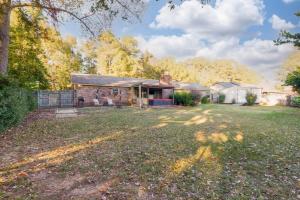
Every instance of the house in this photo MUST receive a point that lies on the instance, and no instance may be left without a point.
(234, 92)
(129, 91)
(194, 88)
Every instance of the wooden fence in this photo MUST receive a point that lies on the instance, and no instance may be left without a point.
(48, 99)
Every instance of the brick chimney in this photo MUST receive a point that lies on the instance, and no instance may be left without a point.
(165, 79)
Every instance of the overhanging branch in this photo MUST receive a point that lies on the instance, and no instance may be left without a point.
(55, 9)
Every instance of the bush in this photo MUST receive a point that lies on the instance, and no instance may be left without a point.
(205, 100)
(296, 101)
(184, 99)
(222, 98)
(251, 98)
(15, 103)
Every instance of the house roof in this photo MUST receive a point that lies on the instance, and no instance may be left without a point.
(234, 84)
(112, 81)
(189, 86)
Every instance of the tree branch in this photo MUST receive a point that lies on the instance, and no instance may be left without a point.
(80, 19)
(130, 11)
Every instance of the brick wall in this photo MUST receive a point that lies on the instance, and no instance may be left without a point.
(92, 92)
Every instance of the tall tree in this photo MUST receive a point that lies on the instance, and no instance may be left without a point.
(90, 14)
(24, 51)
(211, 71)
(117, 57)
(60, 58)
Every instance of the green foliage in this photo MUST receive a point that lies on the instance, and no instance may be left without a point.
(184, 99)
(60, 58)
(205, 100)
(293, 79)
(222, 98)
(15, 103)
(39, 58)
(25, 64)
(296, 101)
(251, 98)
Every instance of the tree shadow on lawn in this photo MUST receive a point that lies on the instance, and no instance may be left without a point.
(184, 153)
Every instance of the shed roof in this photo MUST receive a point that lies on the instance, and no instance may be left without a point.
(234, 84)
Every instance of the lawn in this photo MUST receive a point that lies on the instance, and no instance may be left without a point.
(206, 152)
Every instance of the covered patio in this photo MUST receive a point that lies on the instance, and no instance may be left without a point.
(154, 94)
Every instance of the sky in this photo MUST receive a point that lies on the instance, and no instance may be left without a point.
(241, 30)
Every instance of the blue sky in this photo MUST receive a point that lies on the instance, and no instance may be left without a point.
(241, 30)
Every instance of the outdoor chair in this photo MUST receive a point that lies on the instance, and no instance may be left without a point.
(110, 102)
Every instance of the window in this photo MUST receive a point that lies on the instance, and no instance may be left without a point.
(115, 91)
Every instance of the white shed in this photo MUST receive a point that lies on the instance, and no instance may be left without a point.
(235, 92)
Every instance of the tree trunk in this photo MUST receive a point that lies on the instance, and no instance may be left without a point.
(4, 34)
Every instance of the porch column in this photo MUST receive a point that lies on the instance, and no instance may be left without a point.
(148, 93)
(173, 96)
(140, 95)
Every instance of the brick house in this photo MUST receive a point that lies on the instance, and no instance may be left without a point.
(129, 91)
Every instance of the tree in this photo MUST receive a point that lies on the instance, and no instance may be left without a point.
(290, 64)
(90, 14)
(293, 79)
(287, 37)
(24, 50)
(60, 58)
(89, 63)
(211, 71)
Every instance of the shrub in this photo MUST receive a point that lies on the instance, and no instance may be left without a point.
(184, 99)
(296, 101)
(251, 98)
(222, 98)
(205, 100)
(15, 103)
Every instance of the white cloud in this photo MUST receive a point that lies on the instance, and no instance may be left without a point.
(225, 18)
(260, 55)
(178, 46)
(214, 31)
(280, 24)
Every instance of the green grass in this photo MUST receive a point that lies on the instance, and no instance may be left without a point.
(206, 152)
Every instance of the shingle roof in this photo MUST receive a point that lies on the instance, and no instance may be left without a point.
(227, 84)
(233, 84)
(189, 86)
(89, 79)
(112, 81)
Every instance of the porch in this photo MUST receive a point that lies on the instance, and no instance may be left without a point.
(154, 95)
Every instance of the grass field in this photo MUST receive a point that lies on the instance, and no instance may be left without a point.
(206, 152)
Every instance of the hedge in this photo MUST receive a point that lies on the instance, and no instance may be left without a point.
(15, 103)
(184, 99)
(296, 101)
